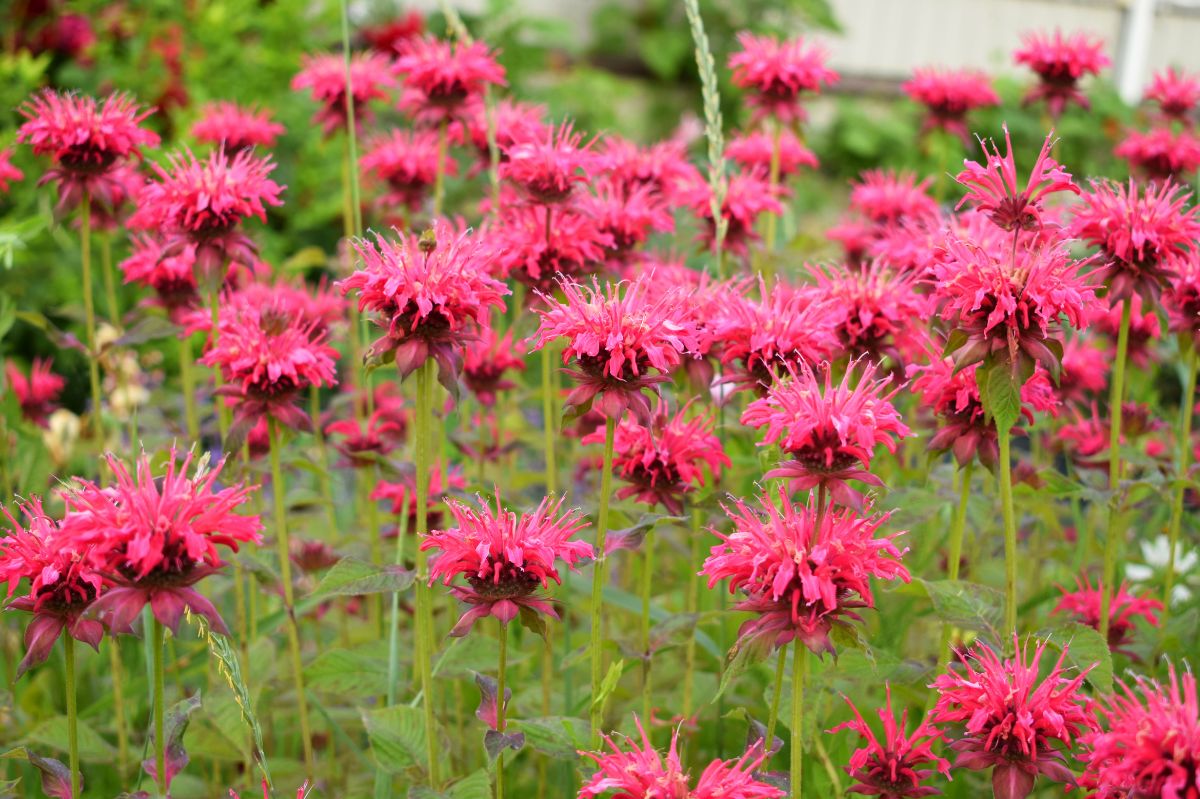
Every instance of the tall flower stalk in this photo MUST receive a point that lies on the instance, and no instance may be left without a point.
(424, 613)
(157, 653)
(599, 571)
(1114, 534)
(1186, 410)
(89, 311)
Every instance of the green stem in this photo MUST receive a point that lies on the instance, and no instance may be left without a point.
(89, 313)
(186, 359)
(279, 495)
(439, 181)
(799, 670)
(314, 411)
(1114, 534)
(1186, 406)
(118, 683)
(1010, 530)
(598, 573)
(72, 713)
(351, 127)
(776, 694)
(500, 706)
(110, 287)
(214, 310)
(773, 178)
(957, 530)
(548, 425)
(647, 578)
(691, 605)
(160, 744)
(424, 615)
(394, 623)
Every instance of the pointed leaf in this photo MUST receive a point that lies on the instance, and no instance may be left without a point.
(744, 654)
(175, 722)
(495, 742)
(397, 737)
(354, 577)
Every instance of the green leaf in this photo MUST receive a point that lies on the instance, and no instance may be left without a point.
(397, 737)
(1085, 649)
(1001, 394)
(954, 342)
(608, 685)
(744, 654)
(8, 314)
(967, 605)
(354, 577)
(557, 736)
(52, 733)
(474, 786)
(347, 672)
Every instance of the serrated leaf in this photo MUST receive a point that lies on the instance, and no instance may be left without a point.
(608, 685)
(556, 736)
(347, 672)
(354, 577)
(397, 737)
(1086, 649)
(1001, 394)
(475, 786)
(744, 654)
(52, 733)
(968, 605)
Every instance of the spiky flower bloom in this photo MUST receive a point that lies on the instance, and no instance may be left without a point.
(37, 393)
(574, 248)
(62, 582)
(993, 189)
(663, 167)
(882, 315)
(1175, 92)
(85, 139)
(747, 196)
(402, 495)
(895, 767)
(362, 443)
(325, 78)
(1016, 723)
(405, 161)
(235, 127)
(664, 461)
(548, 168)
(948, 96)
(757, 340)
(889, 198)
(754, 151)
(803, 570)
(156, 535)
(1161, 153)
(1009, 310)
(627, 218)
(512, 121)
(1060, 62)
(440, 77)
(1183, 296)
(1084, 375)
(619, 341)
(830, 431)
(487, 360)
(1084, 605)
(8, 173)
(431, 293)
(640, 772)
(1086, 439)
(504, 557)
(198, 206)
(268, 354)
(1139, 230)
(776, 74)
(1151, 747)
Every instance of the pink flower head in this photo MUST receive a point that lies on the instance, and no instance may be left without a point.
(1060, 62)
(855, 236)
(431, 293)
(667, 459)
(85, 139)
(1084, 605)
(896, 767)
(617, 338)
(1084, 375)
(803, 571)
(1151, 746)
(1161, 153)
(440, 77)
(536, 254)
(62, 582)
(755, 151)
(1009, 308)
(1087, 438)
(830, 431)
(993, 189)
(889, 198)
(155, 536)
(362, 443)
(663, 167)
(883, 315)
(1144, 329)
(487, 360)
(325, 78)
(402, 495)
(1016, 723)
(628, 218)
(198, 206)
(1183, 296)
(548, 168)
(1139, 230)
(38, 393)
(405, 161)
(777, 73)
(641, 772)
(512, 122)
(8, 173)
(389, 37)
(268, 354)
(948, 96)
(235, 127)
(748, 195)
(1176, 93)
(504, 557)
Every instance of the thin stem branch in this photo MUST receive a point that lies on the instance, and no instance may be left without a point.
(500, 705)
(1010, 529)
(1114, 533)
(799, 671)
(424, 614)
(598, 575)
(647, 584)
(118, 683)
(776, 695)
(72, 712)
(957, 531)
(157, 650)
(1186, 408)
(89, 313)
(691, 606)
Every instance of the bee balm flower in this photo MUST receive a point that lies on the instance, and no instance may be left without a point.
(38, 393)
(235, 128)
(948, 95)
(776, 74)
(325, 78)
(993, 189)
(1060, 62)
(442, 77)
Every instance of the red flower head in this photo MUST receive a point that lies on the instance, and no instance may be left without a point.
(536, 254)
(389, 37)
(402, 495)
(362, 443)
(38, 393)
(8, 172)
(1016, 723)
(1161, 154)
(1060, 61)
(1152, 745)
(616, 339)
(755, 151)
(663, 167)
(504, 557)
(993, 189)
(431, 292)
(895, 768)
(643, 773)
(1084, 375)
(236, 128)
(325, 78)
(487, 360)
(829, 431)
(320, 306)
(268, 354)
(62, 582)
(512, 121)
(883, 313)
(1139, 230)
(855, 236)
(890, 198)
(1084, 605)
(156, 536)
(759, 339)
(1086, 439)
(406, 162)
(948, 96)
(666, 460)
(1176, 93)
(748, 194)
(803, 571)
(85, 139)
(777, 73)
(1009, 308)
(548, 168)
(628, 218)
(172, 278)
(1183, 296)
(440, 77)
(198, 206)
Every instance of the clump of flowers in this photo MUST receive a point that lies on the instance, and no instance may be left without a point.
(572, 247)
(948, 96)
(882, 315)
(504, 557)
(777, 74)
(362, 442)
(440, 77)
(1124, 608)
(756, 150)
(548, 168)
(1060, 62)
(993, 189)
(324, 76)
(663, 167)
(1161, 153)
(37, 393)
(402, 494)
(236, 128)
(890, 198)
(1183, 296)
